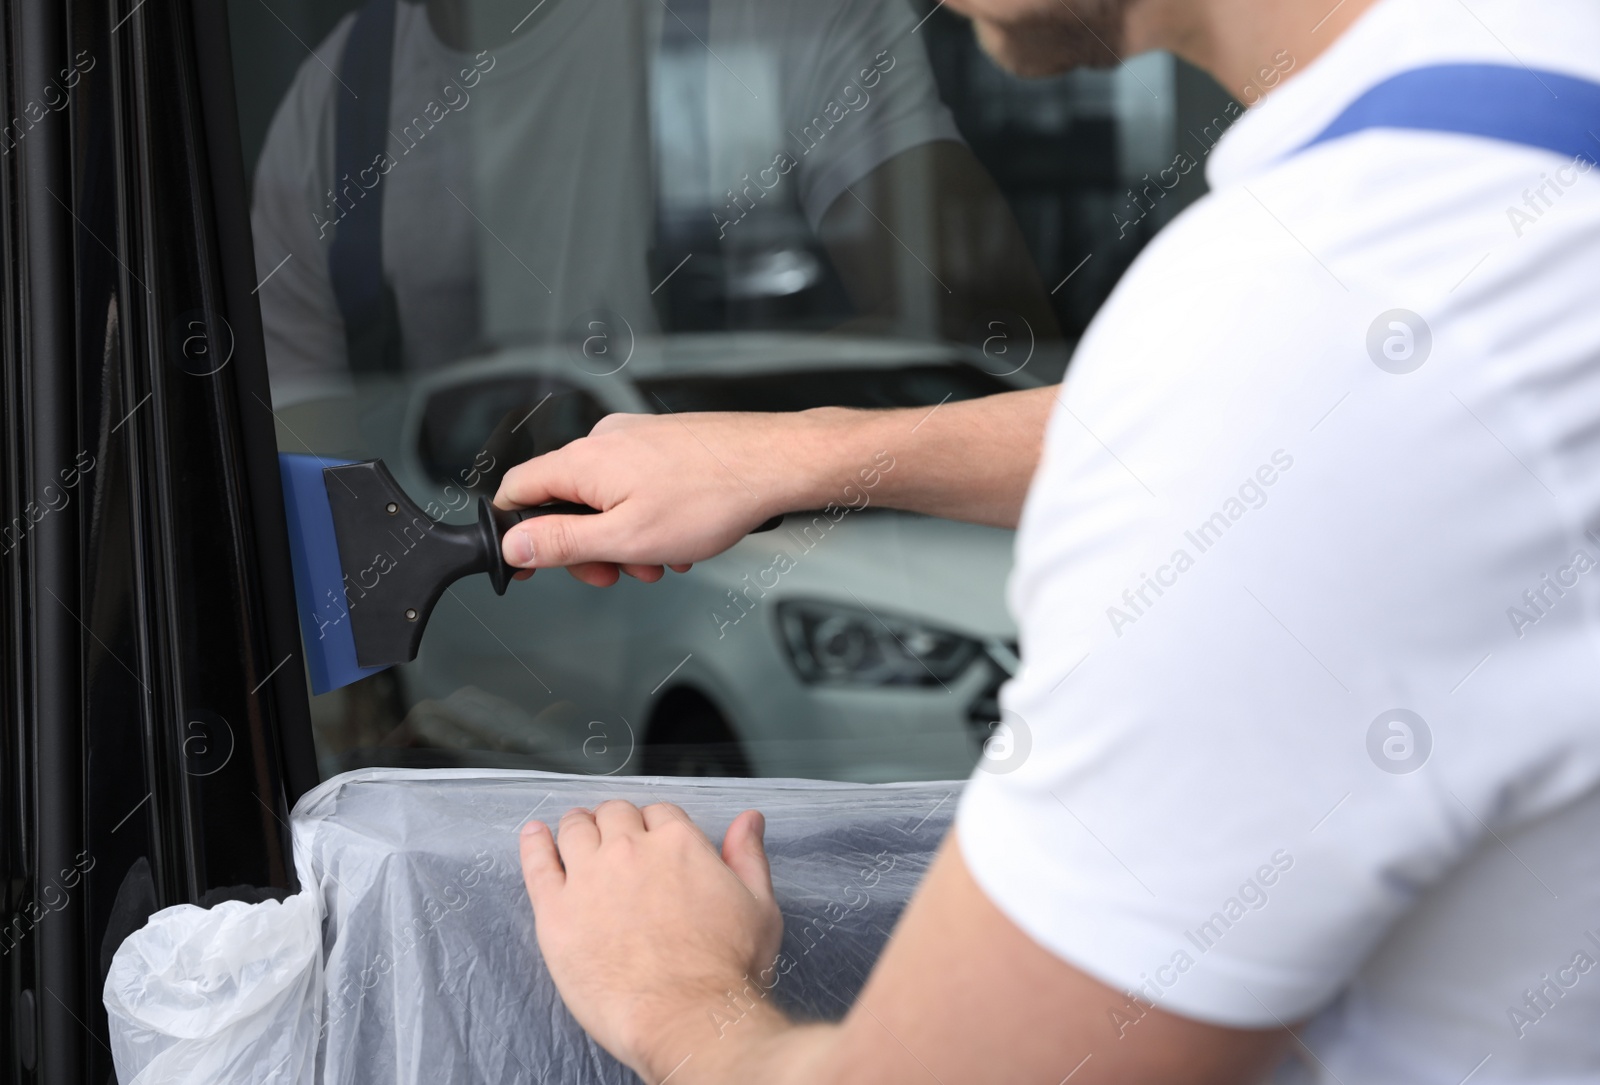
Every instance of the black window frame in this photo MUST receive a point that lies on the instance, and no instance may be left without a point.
(155, 720)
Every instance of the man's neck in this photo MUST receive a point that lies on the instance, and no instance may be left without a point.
(1242, 42)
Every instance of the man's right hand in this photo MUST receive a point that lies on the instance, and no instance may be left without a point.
(680, 488)
(671, 489)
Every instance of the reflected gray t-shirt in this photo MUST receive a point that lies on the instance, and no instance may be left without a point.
(519, 192)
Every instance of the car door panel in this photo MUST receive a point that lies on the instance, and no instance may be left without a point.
(143, 762)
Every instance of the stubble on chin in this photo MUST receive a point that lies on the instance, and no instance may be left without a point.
(1057, 36)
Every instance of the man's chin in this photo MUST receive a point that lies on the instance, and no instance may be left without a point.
(1055, 40)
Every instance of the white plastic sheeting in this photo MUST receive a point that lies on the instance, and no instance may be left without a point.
(429, 972)
(222, 995)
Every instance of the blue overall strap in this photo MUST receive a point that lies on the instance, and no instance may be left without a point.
(1543, 109)
(685, 38)
(361, 131)
(685, 32)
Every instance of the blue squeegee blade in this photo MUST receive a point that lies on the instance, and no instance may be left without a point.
(319, 589)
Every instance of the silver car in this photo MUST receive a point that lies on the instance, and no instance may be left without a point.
(851, 643)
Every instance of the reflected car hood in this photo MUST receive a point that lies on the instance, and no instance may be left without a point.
(950, 574)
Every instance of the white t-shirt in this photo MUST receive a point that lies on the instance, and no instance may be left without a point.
(520, 197)
(1309, 725)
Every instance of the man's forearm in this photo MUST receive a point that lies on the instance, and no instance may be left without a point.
(760, 1044)
(677, 489)
(971, 460)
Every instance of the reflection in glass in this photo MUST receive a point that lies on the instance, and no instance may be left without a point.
(481, 226)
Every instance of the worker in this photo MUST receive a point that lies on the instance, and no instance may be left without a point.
(1304, 762)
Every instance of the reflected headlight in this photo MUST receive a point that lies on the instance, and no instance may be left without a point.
(838, 644)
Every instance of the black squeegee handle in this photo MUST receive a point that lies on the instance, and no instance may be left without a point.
(503, 520)
(397, 559)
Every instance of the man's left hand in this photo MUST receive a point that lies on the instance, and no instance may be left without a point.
(645, 927)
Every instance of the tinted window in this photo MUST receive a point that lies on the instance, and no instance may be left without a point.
(481, 226)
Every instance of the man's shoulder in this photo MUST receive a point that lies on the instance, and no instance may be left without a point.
(1385, 212)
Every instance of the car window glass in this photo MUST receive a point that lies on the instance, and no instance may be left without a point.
(481, 226)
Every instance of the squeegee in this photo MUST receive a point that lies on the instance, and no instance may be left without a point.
(370, 564)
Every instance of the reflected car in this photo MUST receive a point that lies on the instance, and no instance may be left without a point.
(853, 642)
